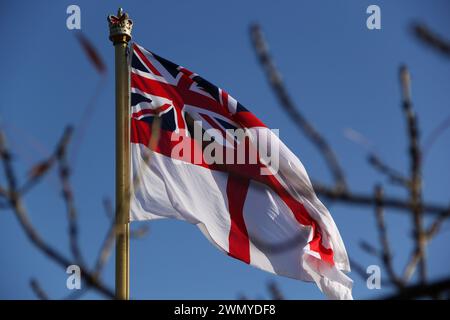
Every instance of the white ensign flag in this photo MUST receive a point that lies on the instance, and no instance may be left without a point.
(198, 155)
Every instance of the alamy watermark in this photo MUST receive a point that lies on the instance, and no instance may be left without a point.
(374, 279)
(73, 281)
(373, 21)
(73, 21)
(228, 147)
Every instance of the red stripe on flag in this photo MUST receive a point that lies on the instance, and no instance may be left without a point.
(156, 88)
(225, 99)
(236, 193)
(304, 218)
(239, 244)
(167, 141)
(185, 71)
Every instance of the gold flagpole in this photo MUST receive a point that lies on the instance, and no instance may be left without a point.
(120, 34)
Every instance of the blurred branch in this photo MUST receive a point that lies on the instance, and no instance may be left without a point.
(36, 174)
(104, 253)
(91, 52)
(434, 41)
(436, 226)
(435, 134)
(415, 171)
(358, 269)
(242, 296)
(369, 249)
(107, 247)
(353, 198)
(139, 232)
(413, 205)
(361, 272)
(64, 172)
(15, 202)
(97, 61)
(156, 131)
(37, 289)
(108, 242)
(422, 290)
(13, 195)
(383, 236)
(337, 193)
(392, 174)
(429, 233)
(275, 291)
(274, 78)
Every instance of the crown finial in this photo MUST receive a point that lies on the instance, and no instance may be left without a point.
(120, 27)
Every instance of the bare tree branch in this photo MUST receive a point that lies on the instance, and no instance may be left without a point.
(64, 172)
(435, 134)
(369, 249)
(275, 291)
(393, 175)
(104, 253)
(415, 257)
(37, 289)
(139, 232)
(434, 41)
(415, 170)
(422, 290)
(37, 173)
(361, 199)
(274, 78)
(436, 226)
(16, 204)
(108, 242)
(383, 236)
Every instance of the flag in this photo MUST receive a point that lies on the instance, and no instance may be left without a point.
(199, 155)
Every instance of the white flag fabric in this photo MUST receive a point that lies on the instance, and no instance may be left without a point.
(248, 194)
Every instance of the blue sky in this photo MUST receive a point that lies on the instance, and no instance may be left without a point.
(341, 75)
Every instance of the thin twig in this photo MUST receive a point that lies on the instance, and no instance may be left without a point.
(37, 289)
(140, 232)
(275, 80)
(275, 291)
(433, 40)
(383, 236)
(358, 269)
(430, 233)
(146, 157)
(15, 202)
(421, 290)
(436, 226)
(108, 242)
(98, 62)
(104, 253)
(393, 175)
(64, 173)
(415, 170)
(369, 249)
(435, 134)
(361, 199)
(37, 173)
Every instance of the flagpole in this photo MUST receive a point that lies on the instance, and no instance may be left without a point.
(120, 34)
